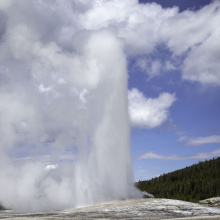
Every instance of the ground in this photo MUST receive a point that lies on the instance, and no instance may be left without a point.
(128, 209)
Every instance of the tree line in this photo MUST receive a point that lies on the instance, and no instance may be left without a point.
(1, 207)
(197, 182)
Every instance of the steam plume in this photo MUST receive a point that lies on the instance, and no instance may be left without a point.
(63, 111)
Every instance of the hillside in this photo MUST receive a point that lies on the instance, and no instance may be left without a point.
(197, 182)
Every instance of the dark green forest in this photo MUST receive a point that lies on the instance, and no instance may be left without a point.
(197, 182)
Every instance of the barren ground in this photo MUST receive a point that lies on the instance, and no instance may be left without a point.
(127, 209)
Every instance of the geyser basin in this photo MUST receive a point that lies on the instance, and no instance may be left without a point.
(64, 116)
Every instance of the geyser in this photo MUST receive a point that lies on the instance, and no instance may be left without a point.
(63, 110)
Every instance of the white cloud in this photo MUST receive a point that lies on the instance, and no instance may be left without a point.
(137, 24)
(151, 155)
(202, 64)
(143, 171)
(199, 156)
(198, 39)
(150, 67)
(156, 66)
(141, 27)
(169, 66)
(190, 34)
(197, 141)
(147, 112)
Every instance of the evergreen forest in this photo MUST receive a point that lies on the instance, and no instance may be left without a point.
(197, 182)
(1, 207)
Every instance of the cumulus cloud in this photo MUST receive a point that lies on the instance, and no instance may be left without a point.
(200, 47)
(147, 112)
(137, 24)
(197, 141)
(202, 63)
(145, 26)
(142, 27)
(199, 156)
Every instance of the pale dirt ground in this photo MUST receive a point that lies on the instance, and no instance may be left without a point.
(127, 209)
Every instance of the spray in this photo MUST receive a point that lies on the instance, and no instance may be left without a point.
(63, 113)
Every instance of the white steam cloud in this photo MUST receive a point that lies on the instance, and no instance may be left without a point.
(63, 92)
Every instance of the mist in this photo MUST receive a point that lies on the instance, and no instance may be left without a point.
(64, 122)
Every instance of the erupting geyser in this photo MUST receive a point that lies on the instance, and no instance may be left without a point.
(63, 110)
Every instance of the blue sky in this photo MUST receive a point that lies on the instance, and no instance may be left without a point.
(182, 5)
(191, 132)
